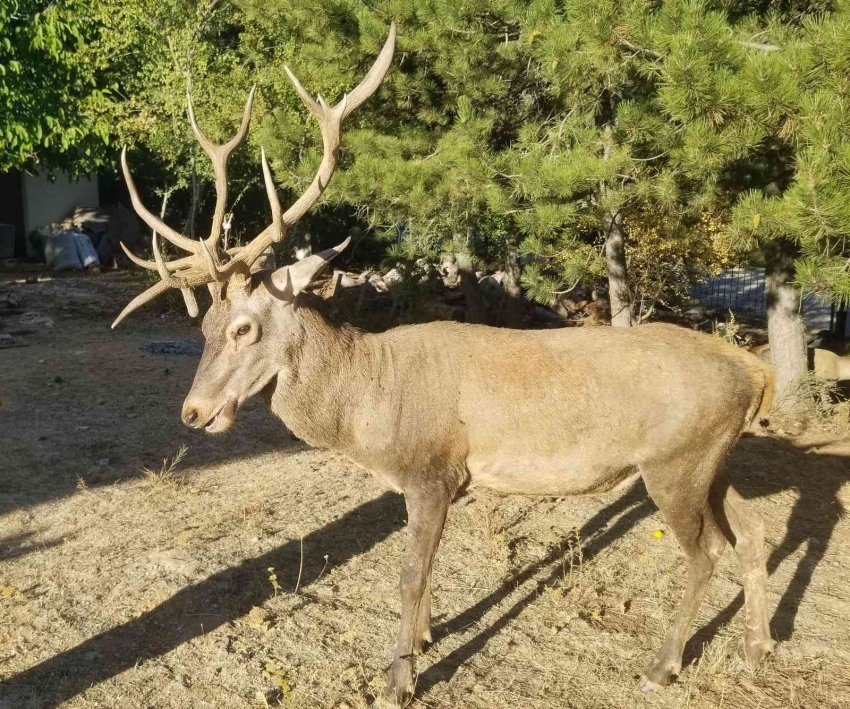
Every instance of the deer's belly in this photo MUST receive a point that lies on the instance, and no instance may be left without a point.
(539, 475)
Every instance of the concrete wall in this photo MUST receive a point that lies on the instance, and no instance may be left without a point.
(46, 202)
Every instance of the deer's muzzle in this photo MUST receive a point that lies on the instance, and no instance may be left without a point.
(213, 420)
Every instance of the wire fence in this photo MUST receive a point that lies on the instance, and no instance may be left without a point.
(743, 291)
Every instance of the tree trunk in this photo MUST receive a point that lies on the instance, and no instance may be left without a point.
(618, 284)
(513, 290)
(476, 311)
(785, 328)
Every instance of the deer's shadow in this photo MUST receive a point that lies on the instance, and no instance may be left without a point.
(763, 466)
(759, 467)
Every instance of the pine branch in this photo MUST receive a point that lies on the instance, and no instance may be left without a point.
(761, 47)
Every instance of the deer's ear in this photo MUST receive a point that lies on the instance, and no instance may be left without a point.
(289, 281)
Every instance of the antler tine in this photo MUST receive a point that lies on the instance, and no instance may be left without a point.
(212, 266)
(306, 99)
(330, 122)
(278, 229)
(137, 302)
(150, 219)
(164, 273)
(219, 154)
(373, 79)
(151, 265)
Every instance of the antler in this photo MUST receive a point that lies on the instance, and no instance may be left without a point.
(330, 122)
(204, 264)
(219, 155)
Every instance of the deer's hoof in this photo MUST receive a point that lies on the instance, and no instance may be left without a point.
(647, 686)
(659, 675)
(757, 652)
(399, 687)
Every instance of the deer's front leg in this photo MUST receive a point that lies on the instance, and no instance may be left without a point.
(426, 508)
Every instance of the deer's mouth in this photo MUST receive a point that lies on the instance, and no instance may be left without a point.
(223, 420)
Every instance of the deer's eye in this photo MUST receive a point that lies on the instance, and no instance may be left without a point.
(242, 331)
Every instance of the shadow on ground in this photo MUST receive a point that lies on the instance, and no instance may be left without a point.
(201, 608)
(760, 466)
(775, 465)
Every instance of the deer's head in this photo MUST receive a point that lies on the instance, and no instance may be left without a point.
(251, 328)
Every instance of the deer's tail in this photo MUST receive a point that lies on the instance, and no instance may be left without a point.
(766, 401)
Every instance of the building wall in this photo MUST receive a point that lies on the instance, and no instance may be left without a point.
(46, 202)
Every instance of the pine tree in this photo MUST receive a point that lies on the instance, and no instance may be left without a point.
(789, 191)
(487, 139)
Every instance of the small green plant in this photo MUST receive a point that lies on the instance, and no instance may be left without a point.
(573, 558)
(273, 580)
(282, 694)
(165, 475)
(730, 332)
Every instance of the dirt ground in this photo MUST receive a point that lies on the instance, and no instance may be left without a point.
(261, 572)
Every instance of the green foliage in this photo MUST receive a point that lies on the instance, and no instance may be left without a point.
(802, 166)
(153, 51)
(502, 121)
(54, 106)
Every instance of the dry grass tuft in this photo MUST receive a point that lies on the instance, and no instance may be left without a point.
(164, 477)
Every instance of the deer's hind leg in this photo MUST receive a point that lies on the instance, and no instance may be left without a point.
(744, 529)
(682, 492)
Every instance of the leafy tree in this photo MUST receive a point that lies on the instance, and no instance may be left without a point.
(54, 105)
(154, 51)
(666, 257)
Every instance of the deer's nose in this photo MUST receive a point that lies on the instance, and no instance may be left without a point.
(190, 417)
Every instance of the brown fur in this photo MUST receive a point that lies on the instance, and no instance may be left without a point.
(430, 409)
(825, 364)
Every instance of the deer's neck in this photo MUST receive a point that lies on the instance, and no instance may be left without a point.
(320, 375)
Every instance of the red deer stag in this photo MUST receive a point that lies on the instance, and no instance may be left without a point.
(431, 409)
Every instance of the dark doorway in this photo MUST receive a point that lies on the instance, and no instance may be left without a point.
(12, 207)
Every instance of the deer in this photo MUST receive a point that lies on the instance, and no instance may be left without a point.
(437, 408)
(826, 366)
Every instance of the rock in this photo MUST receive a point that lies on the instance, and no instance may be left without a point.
(392, 276)
(172, 560)
(7, 300)
(493, 284)
(174, 347)
(34, 319)
(6, 340)
(450, 270)
(698, 312)
(545, 315)
(347, 281)
(378, 283)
